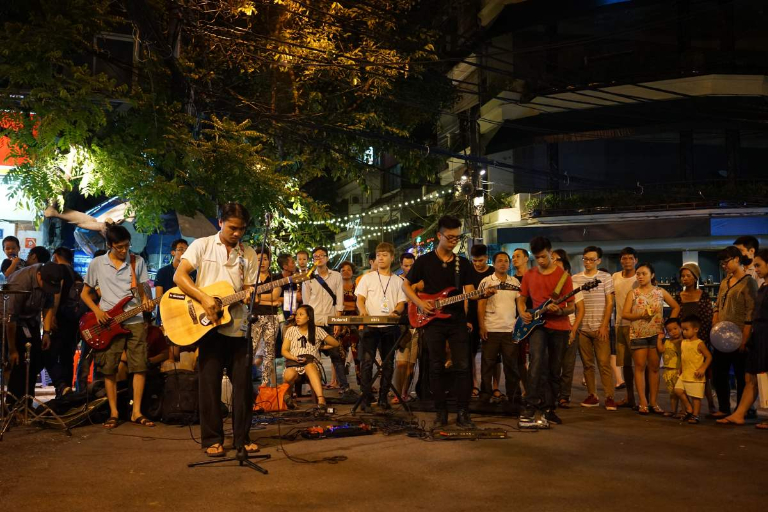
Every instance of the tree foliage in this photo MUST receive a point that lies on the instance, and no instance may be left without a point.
(225, 100)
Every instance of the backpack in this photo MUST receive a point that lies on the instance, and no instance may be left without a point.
(71, 303)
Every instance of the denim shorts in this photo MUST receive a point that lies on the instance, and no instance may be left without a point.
(641, 343)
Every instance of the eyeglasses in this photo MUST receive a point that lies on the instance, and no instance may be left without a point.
(453, 238)
(589, 260)
(724, 263)
(319, 256)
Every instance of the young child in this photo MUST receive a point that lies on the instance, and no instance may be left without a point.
(12, 263)
(695, 359)
(669, 350)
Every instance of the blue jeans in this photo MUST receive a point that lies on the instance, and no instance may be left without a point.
(383, 339)
(547, 348)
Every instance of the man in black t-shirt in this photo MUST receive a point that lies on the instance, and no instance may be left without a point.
(59, 358)
(438, 270)
(480, 270)
(164, 277)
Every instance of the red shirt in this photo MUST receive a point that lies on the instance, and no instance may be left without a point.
(539, 288)
(156, 343)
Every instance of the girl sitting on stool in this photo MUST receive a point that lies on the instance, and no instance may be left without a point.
(301, 348)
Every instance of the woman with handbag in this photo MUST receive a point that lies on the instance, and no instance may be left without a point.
(301, 349)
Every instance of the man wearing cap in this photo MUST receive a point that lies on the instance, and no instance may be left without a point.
(42, 281)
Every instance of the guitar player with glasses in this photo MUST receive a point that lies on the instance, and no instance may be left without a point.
(548, 342)
(116, 274)
(438, 270)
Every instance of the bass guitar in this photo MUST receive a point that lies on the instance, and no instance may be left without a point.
(523, 330)
(419, 318)
(99, 335)
(184, 318)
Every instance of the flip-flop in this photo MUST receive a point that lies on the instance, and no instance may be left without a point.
(111, 423)
(143, 421)
(252, 450)
(726, 421)
(762, 426)
(220, 451)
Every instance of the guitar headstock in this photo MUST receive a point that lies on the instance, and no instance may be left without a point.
(304, 276)
(507, 286)
(590, 285)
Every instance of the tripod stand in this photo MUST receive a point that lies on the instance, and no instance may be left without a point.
(389, 357)
(242, 456)
(23, 404)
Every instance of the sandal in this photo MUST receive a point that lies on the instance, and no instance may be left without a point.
(687, 417)
(693, 420)
(215, 450)
(668, 414)
(475, 392)
(762, 426)
(251, 448)
(111, 423)
(143, 421)
(642, 409)
(564, 403)
(656, 409)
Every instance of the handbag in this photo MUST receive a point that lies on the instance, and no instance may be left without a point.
(271, 399)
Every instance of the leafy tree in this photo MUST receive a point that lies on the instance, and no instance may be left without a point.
(226, 100)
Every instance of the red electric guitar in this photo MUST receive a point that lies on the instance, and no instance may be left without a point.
(419, 318)
(98, 335)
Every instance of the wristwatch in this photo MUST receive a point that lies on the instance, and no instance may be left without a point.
(49, 333)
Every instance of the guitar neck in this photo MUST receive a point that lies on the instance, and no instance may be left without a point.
(122, 317)
(237, 297)
(458, 298)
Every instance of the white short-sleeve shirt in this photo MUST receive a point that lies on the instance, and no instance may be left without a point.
(373, 285)
(209, 257)
(313, 294)
(500, 308)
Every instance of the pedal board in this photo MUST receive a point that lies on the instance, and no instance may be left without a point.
(532, 424)
(468, 435)
(336, 431)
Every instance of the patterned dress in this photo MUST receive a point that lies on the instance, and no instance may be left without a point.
(652, 303)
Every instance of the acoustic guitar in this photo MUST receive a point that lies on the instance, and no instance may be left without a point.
(184, 318)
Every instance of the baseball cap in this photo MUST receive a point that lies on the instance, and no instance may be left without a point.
(51, 274)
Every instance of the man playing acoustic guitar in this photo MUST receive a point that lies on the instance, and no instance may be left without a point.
(223, 257)
(441, 269)
(549, 341)
(116, 274)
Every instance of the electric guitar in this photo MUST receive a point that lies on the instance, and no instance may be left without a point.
(99, 335)
(522, 330)
(419, 318)
(184, 318)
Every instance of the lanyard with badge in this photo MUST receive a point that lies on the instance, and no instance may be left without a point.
(384, 301)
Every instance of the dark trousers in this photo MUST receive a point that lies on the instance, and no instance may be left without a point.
(383, 339)
(60, 357)
(547, 348)
(435, 336)
(500, 342)
(721, 369)
(216, 353)
(84, 366)
(16, 384)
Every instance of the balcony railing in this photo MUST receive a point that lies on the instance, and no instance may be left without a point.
(649, 197)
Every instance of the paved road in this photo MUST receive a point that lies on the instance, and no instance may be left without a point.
(596, 461)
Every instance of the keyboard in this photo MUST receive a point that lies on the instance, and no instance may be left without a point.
(364, 320)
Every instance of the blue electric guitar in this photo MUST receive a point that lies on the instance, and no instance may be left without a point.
(522, 329)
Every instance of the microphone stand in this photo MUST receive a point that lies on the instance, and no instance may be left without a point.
(241, 456)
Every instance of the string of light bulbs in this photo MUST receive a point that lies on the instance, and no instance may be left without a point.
(387, 208)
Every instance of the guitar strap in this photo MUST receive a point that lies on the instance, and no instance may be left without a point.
(134, 284)
(458, 287)
(559, 287)
(326, 287)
